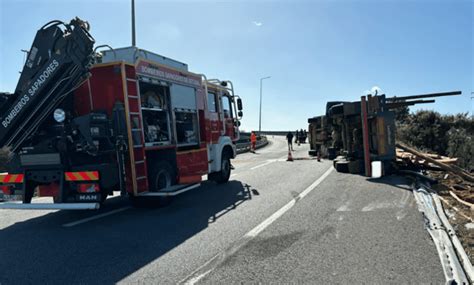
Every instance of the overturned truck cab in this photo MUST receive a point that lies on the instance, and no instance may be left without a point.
(355, 134)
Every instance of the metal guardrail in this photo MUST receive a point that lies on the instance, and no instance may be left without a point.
(243, 147)
(455, 262)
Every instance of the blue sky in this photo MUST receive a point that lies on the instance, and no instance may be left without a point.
(315, 51)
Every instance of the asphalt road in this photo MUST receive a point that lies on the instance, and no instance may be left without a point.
(274, 222)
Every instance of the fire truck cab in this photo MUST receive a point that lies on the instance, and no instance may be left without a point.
(141, 123)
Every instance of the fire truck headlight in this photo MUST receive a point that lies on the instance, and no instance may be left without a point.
(59, 115)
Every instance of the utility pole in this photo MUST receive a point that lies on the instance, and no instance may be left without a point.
(133, 23)
(260, 113)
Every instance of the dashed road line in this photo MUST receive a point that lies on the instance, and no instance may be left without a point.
(212, 264)
(82, 221)
(262, 165)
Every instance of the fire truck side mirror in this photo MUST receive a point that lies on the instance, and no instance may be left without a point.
(241, 114)
(239, 105)
(237, 123)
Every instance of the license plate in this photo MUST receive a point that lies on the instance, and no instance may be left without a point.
(12, 197)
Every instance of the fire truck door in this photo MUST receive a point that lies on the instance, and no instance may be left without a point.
(227, 109)
(214, 117)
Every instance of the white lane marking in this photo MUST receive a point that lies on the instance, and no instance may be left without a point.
(258, 229)
(199, 277)
(345, 207)
(211, 264)
(262, 165)
(378, 205)
(283, 158)
(72, 224)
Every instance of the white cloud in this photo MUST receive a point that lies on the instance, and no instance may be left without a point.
(376, 89)
(373, 91)
(258, 24)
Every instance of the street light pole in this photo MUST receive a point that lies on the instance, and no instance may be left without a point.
(133, 23)
(260, 113)
(472, 109)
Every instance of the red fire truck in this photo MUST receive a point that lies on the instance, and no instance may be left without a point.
(128, 120)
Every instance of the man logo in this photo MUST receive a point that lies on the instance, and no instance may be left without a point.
(94, 197)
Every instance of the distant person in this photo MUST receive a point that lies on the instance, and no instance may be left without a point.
(289, 138)
(297, 135)
(253, 142)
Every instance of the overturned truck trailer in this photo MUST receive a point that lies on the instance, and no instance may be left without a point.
(355, 134)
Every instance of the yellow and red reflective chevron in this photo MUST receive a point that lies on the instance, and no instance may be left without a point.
(82, 176)
(11, 178)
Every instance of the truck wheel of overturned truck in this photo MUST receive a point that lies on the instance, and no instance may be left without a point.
(223, 175)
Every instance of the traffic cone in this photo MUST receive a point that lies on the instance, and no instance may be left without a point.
(290, 157)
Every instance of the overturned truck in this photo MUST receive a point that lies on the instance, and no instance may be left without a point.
(355, 134)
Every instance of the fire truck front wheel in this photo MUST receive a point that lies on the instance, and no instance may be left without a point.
(223, 175)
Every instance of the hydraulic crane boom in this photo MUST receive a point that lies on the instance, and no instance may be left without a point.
(57, 63)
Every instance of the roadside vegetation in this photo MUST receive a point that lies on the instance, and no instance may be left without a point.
(448, 135)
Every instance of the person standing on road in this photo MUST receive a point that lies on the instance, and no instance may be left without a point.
(253, 142)
(289, 138)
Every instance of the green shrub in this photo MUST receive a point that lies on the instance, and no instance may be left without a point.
(461, 145)
(451, 135)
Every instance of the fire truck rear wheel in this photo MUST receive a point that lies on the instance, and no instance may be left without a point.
(223, 175)
(162, 176)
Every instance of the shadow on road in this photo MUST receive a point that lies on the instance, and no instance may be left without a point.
(393, 180)
(110, 249)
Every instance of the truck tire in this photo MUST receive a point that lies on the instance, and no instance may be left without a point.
(342, 166)
(162, 176)
(223, 175)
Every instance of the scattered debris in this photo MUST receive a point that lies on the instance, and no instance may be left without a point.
(454, 186)
(444, 166)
